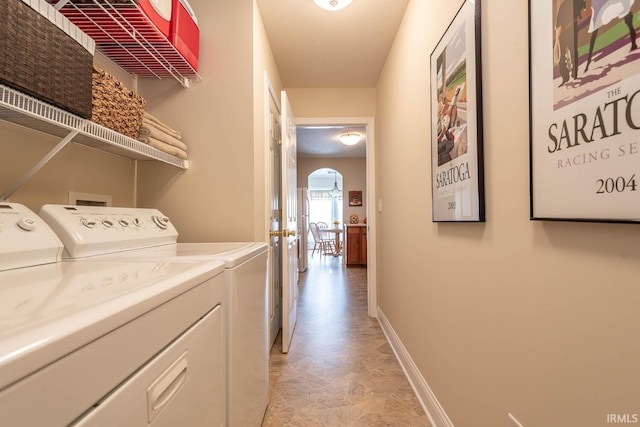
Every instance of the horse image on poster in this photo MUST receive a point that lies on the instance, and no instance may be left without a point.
(601, 34)
(452, 100)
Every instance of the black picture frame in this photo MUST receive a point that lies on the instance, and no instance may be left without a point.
(457, 160)
(584, 75)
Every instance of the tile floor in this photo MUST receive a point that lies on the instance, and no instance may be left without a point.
(340, 370)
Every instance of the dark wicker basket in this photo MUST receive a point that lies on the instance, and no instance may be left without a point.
(115, 106)
(40, 59)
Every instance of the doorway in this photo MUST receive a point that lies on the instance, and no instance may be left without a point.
(273, 115)
(326, 196)
(325, 212)
(369, 206)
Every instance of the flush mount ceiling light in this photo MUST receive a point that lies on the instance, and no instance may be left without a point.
(350, 138)
(333, 4)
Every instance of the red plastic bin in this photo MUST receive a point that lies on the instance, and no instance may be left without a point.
(163, 23)
(184, 32)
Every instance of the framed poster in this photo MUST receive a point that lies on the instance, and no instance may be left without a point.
(585, 110)
(457, 173)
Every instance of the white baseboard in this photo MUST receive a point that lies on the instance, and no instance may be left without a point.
(430, 404)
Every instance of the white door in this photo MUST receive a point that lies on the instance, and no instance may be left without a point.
(289, 241)
(275, 215)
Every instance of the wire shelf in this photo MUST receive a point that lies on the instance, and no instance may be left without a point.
(124, 33)
(24, 110)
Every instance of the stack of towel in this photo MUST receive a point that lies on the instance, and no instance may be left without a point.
(160, 136)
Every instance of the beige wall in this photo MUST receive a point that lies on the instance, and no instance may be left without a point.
(539, 319)
(263, 61)
(353, 178)
(75, 168)
(350, 102)
(214, 200)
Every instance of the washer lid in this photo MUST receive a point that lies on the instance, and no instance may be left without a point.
(49, 311)
(231, 253)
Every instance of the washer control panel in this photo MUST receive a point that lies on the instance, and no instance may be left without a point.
(25, 240)
(95, 230)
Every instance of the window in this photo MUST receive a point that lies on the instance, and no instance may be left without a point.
(323, 207)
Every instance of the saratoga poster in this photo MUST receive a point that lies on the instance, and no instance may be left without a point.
(457, 186)
(585, 110)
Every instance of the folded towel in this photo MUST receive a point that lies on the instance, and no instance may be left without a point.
(167, 148)
(149, 131)
(150, 119)
(151, 124)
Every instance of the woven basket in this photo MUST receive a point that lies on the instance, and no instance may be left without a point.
(38, 58)
(115, 106)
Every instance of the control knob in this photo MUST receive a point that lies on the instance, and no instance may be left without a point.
(160, 221)
(27, 224)
(89, 223)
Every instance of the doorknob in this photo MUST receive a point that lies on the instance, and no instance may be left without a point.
(283, 233)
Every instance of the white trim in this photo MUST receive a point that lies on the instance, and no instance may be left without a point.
(436, 414)
(268, 94)
(513, 422)
(271, 93)
(369, 122)
(372, 288)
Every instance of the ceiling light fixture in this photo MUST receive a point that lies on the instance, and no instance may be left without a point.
(333, 4)
(350, 138)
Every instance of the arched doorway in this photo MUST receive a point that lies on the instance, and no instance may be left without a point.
(325, 196)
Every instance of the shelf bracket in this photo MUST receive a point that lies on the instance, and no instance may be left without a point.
(67, 139)
(60, 4)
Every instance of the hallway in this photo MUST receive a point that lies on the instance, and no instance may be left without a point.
(340, 370)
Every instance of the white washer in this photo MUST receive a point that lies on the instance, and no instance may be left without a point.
(245, 293)
(105, 343)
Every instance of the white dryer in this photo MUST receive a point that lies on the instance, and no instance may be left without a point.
(105, 343)
(245, 291)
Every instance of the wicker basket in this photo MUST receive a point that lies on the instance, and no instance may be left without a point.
(115, 106)
(38, 58)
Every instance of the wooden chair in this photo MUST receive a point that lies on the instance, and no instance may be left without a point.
(323, 226)
(323, 245)
(328, 236)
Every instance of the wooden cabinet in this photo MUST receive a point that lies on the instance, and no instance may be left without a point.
(356, 245)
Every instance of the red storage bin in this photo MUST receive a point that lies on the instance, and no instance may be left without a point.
(159, 12)
(108, 22)
(184, 33)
